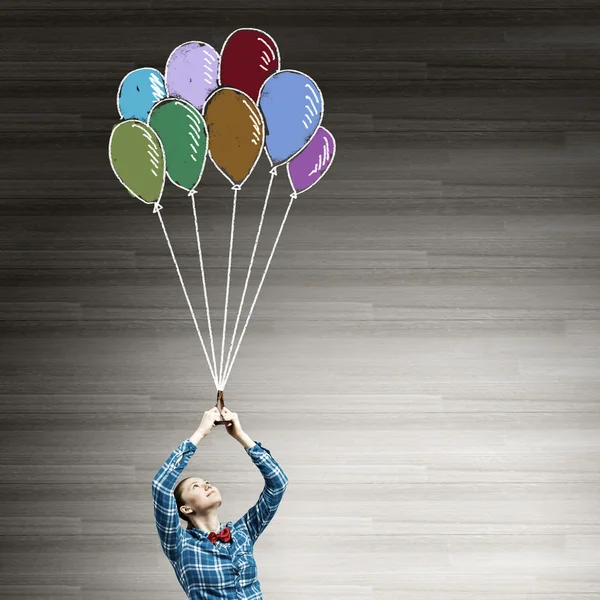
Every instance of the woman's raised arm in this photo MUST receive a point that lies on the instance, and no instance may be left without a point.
(166, 515)
(258, 516)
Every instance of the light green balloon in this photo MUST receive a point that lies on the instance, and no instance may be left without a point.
(183, 133)
(138, 159)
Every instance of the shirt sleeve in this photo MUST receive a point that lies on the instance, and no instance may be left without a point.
(260, 515)
(166, 515)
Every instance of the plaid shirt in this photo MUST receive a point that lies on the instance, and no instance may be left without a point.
(208, 571)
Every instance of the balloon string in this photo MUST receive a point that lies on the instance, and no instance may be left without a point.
(186, 294)
(235, 191)
(273, 173)
(212, 344)
(292, 197)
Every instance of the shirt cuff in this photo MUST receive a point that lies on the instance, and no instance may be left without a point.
(189, 445)
(257, 449)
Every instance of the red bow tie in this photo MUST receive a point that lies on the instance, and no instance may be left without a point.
(223, 536)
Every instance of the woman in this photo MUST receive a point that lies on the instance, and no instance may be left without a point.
(212, 561)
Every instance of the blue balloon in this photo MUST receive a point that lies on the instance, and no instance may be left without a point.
(292, 105)
(139, 91)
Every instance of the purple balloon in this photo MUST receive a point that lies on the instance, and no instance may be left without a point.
(192, 73)
(309, 165)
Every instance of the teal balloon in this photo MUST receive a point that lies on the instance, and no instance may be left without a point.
(139, 91)
(183, 133)
(137, 159)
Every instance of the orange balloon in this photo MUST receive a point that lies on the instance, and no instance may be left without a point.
(236, 133)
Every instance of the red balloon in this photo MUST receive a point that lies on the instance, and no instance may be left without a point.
(248, 57)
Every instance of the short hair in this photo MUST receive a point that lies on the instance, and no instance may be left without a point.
(178, 493)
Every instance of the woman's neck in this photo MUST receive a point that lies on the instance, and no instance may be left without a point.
(207, 524)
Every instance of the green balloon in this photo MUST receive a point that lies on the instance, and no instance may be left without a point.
(138, 159)
(183, 133)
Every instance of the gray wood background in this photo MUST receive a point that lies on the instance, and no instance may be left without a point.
(423, 358)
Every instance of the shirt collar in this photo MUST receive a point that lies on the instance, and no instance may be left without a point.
(200, 534)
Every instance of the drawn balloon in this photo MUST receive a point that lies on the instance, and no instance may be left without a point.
(248, 57)
(139, 91)
(292, 105)
(192, 72)
(310, 165)
(236, 133)
(138, 160)
(183, 134)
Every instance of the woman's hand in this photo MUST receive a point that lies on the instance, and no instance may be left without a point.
(233, 427)
(208, 420)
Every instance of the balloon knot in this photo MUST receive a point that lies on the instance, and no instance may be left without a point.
(293, 195)
(157, 207)
(192, 192)
(273, 171)
(236, 187)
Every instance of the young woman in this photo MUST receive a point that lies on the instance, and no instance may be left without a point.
(212, 560)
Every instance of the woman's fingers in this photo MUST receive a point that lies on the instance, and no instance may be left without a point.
(228, 415)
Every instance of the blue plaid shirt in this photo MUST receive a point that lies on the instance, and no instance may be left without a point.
(208, 571)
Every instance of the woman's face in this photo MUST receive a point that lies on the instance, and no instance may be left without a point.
(200, 495)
